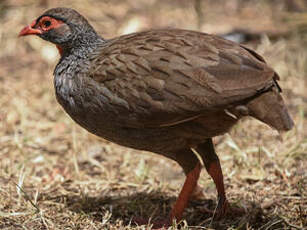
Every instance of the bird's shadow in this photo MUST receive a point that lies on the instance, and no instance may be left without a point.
(157, 206)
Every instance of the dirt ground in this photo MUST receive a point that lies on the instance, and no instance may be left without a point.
(55, 175)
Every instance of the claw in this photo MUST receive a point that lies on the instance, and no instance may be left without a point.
(221, 208)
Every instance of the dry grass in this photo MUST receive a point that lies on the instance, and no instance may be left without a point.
(55, 175)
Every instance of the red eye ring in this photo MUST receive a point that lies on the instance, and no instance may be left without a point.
(47, 23)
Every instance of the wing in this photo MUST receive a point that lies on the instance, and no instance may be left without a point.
(165, 77)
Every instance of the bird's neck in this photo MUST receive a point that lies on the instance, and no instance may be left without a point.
(74, 62)
(81, 45)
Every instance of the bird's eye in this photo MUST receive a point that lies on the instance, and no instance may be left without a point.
(47, 23)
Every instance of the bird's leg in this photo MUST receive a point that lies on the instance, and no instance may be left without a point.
(213, 167)
(215, 171)
(187, 190)
(192, 167)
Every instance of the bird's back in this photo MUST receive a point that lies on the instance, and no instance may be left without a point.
(167, 77)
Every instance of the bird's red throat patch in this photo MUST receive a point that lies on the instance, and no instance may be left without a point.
(60, 49)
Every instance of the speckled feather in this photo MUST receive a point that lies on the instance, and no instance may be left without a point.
(160, 90)
(177, 75)
(164, 91)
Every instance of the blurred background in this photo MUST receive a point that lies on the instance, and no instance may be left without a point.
(55, 175)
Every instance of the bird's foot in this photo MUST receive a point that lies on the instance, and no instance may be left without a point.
(221, 209)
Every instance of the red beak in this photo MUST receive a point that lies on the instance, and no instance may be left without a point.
(28, 30)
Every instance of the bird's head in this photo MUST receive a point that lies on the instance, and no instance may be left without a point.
(64, 27)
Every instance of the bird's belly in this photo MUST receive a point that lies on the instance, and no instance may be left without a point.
(159, 139)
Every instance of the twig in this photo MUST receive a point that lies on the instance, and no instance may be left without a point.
(26, 196)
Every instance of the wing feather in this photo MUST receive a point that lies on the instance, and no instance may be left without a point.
(172, 76)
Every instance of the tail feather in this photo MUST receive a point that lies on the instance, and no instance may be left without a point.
(270, 108)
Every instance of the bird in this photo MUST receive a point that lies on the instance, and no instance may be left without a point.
(166, 91)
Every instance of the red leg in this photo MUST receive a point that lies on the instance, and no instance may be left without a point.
(213, 167)
(192, 167)
(186, 192)
(215, 172)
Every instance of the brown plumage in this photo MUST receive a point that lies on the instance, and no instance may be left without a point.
(164, 91)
